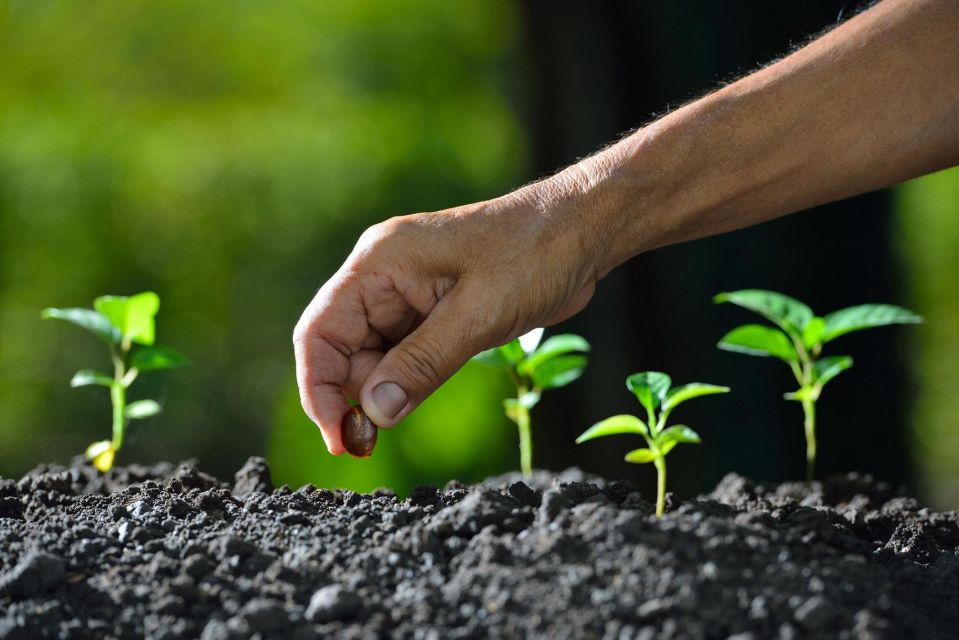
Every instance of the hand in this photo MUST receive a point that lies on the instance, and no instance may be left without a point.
(421, 294)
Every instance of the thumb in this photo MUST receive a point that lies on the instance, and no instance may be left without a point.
(422, 361)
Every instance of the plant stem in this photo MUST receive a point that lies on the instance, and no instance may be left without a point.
(805, 379)
(525, 438)
(118, 398)
(809, 410)
(660, 485)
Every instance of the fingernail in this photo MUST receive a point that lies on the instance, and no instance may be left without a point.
(389, 399)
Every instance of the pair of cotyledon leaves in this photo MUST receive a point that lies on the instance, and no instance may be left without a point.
(797, 329)
(122, 321)
(654, 391)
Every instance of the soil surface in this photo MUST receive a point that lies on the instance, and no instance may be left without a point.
(170, 552)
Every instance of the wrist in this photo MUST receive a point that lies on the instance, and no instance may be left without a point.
(610, 197)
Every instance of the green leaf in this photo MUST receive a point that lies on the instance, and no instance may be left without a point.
(86, 377)
(133, 315)
(559, 371)
(650, 387)
(866, 316)
(689, 391)
(492, 358)
(553, 347)
(641, 456)
(676, 434)
(614, 426)
(89, 319)
(829, 367)
(502, 357)
(142, 409)
(759, 340)
(153, 358)
(812, 334)
(789, 314)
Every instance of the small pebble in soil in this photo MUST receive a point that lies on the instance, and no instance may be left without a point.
(358, 433)
(333, 602)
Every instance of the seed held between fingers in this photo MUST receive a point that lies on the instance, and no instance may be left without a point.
(358, 433)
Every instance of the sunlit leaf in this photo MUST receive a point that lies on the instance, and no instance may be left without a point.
(641, 456)
(866, 316)
(677, 434)
(559, 371)
(142, 409)
(759, 340)
(553, 347)
(502, 357)
(689, 391)
(86, 377)
(650, 387)
(829, 367)
(789, 314)
(89, 319)
(134, 316)
(614, 426)
(530, 340)
(812, 333)
(153, 358)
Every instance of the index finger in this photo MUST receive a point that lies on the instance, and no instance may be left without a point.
(332, 328)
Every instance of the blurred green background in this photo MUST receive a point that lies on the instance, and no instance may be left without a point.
(228, 154)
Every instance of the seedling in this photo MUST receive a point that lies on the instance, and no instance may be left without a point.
(535, 368)
(652, 389)
(798, 339)
(127, 325)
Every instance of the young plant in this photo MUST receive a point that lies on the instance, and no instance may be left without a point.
(653, 391)
(127, 325)
(798, 339)
(535, 368)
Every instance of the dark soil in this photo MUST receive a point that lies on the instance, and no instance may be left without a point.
(170, 552)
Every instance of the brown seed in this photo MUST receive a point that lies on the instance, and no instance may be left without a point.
(359, 434)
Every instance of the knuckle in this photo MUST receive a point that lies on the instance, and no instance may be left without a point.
(382, 232)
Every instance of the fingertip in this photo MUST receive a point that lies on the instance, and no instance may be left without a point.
(326, 408)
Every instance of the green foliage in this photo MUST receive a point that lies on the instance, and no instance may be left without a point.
(188, 166)
(798, 340)
(133, 316)
(925, 228)
(93, 321)
(654, 392)
(121, 321)
(535, 367)
(759, 340)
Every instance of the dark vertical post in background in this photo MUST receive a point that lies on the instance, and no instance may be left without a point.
(596, 70)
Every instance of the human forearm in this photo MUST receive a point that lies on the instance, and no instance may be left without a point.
(872, 103)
